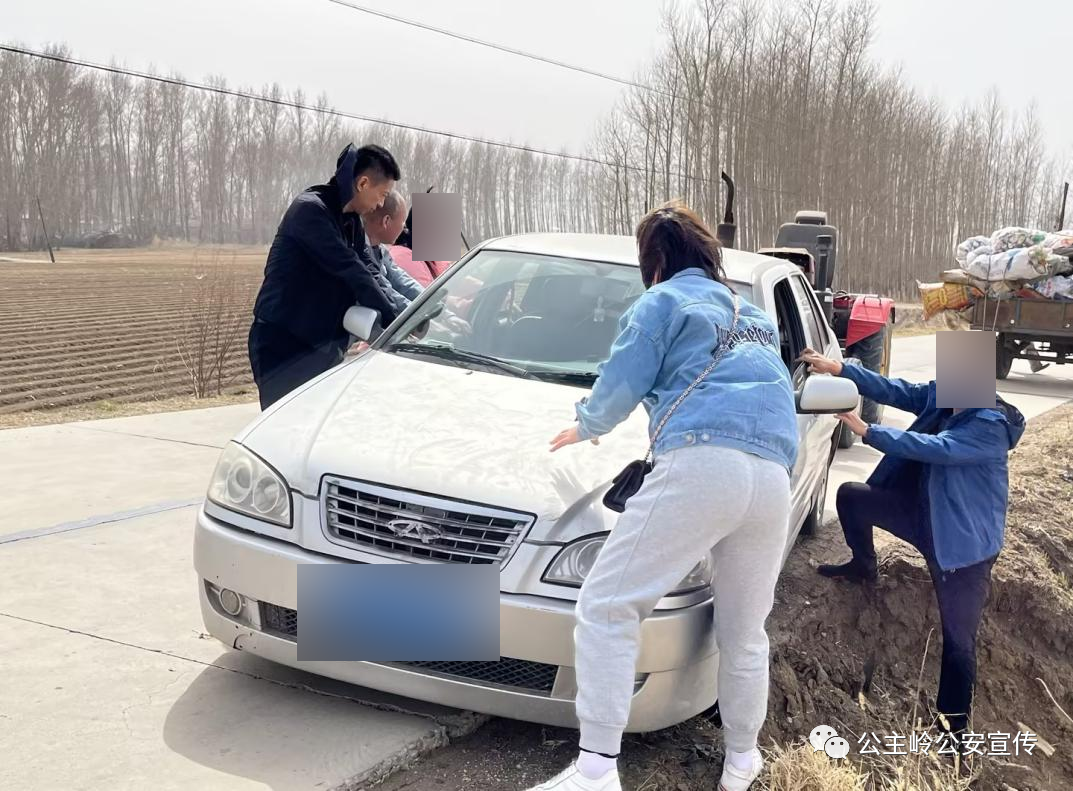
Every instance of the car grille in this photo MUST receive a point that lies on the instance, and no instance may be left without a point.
(506, 672)
(280, 620)
(416, 527)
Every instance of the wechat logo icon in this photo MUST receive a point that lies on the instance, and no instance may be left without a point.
(825, 738)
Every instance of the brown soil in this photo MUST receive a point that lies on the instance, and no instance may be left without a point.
(103, 325)
(825, 634)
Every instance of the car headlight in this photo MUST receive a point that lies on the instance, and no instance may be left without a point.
(574, 562)
(244, 483)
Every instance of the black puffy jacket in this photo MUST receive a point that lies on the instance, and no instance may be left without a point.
(319, 265)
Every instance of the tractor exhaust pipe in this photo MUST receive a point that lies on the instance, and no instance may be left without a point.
(727, 229)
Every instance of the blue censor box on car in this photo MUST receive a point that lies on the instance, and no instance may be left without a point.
(406, 612)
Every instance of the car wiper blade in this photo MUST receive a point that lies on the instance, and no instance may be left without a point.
(567, 377)
(446, 352)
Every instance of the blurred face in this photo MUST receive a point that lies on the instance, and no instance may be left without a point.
(965, 369)
(369, 193)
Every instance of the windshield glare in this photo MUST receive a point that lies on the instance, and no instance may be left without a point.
(542, 313)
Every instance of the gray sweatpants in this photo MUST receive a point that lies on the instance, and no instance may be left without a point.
(694, 499)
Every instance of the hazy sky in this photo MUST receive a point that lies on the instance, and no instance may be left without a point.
(954, 49)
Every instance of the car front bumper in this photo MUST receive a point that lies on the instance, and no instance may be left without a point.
(676, 668)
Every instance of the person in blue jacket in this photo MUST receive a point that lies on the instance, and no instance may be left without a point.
(319, 265)
(942, 486)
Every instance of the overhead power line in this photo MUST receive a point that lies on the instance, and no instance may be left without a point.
(543, 59)
(218, 89)
(492, 45)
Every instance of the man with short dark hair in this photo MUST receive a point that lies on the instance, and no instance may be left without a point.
(318, 266)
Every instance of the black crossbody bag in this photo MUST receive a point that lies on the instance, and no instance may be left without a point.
(627, 482)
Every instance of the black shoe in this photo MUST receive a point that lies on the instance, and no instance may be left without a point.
(853, 571)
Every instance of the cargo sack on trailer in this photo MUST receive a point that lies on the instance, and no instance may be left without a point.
(1057, 287)
(1024, 264)
(937, 297)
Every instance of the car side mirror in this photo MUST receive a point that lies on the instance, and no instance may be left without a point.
(361, 322)
(827, 395)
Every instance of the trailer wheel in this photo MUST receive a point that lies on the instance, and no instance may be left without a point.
(874, 354)
(1003, 357)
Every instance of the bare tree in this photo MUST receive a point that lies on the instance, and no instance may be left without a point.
(783, 96)
(213, 318)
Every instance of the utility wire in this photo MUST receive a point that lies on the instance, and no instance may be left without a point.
(218, 89)
(542, 59)
(492, 45)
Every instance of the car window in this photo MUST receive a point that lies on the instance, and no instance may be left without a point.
(813, 320)
(744, 291)
(540, 312)
(792, 337)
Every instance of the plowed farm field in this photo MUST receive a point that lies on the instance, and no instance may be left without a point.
(124, 325)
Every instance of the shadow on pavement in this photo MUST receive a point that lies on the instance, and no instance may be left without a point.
(252, 719)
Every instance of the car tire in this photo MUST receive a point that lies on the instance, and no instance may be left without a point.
(712, 715)
(846, 438)
(874, 354)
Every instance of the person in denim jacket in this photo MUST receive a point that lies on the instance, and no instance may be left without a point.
(720, 482)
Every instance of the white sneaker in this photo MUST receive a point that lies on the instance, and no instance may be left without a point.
(571, 779)
(735, 779)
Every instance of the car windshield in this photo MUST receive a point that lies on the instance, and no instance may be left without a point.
(523, 314)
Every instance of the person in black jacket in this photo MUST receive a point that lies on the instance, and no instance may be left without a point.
(318, 266)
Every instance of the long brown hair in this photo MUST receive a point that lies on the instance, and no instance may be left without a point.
(672, 238)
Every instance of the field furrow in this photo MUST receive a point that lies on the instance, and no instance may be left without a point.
(109, 324)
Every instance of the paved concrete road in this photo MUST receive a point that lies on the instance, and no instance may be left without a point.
(914, 359)
(108, 681)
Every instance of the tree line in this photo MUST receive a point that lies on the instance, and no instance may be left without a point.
(783, 97)
(786, 99)
(158, 160)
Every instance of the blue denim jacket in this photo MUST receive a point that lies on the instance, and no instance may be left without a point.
(666, 338)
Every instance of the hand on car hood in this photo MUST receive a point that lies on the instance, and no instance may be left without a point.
(469, 435)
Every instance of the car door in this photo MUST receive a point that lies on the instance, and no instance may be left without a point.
(821, 429)
(793, 340)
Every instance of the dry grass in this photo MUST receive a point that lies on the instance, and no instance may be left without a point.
(98, 410)
(801, 769)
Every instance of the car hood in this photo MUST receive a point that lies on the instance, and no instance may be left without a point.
(448, 431)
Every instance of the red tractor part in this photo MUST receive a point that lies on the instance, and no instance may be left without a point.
(868, 315)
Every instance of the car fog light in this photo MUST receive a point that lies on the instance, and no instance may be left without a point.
(230, 601)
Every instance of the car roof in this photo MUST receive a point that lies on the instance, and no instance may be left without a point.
(740, 266)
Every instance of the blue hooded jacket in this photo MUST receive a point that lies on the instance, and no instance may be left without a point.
(965, 463)
(666, 339)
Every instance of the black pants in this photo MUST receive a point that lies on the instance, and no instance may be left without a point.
(282, 363)
(961, 594)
